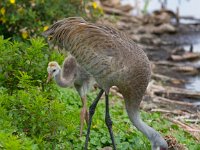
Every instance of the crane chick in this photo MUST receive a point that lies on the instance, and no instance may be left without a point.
(72, 74)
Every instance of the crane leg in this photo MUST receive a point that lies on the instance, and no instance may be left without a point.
(91, 113)
(109, 122)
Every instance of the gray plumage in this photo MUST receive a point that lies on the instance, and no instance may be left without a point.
(113, 59)
(72, 74)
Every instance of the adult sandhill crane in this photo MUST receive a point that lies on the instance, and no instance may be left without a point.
(72, 74)
(113, 59)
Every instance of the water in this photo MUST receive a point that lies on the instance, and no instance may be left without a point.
(196, 47)
(193, 84)
(187, 8)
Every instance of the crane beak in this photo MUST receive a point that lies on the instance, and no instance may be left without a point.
(49, 77)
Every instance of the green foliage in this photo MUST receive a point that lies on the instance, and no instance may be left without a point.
(146, 4)
(21, 59)
(30, 114)
(49, 119)
(22, 18)
(95, 10)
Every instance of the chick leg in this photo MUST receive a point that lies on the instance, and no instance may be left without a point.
(83, 114)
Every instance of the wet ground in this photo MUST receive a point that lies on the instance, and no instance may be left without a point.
(187, 40)
(186, 7)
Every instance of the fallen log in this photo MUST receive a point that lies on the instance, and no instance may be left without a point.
(132, 19)
(183, 68)
(193, 120)
(185, 57)
(114, 11)
(171, 102)
(192, 70)
(166, 63)
(115, 92)
(166, 78)
(157, 90)
(161, 29)
(175, 112)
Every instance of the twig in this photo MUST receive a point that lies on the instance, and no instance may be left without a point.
(165, 100)
(114, 92)
(186, 127)
(176, 112)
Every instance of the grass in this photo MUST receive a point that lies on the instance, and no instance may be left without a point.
(49, 119)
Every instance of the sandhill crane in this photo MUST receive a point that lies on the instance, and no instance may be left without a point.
(113, 59)
(72, 74)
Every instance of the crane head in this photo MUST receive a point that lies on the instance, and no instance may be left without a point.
(52, 69)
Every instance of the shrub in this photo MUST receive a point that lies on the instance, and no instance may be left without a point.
(33, 118)
(19, 58)
(24, 18)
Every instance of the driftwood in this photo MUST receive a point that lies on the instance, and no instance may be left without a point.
(110, 3)
(166, 90)
(157, 90)
(163, 28)
(166, 78)
(175, 112)
(134, 20)
(189, 118)
(183, 68)
(192, 70)
(192, 19)
(185, 57)
(168, 98)
(195, 132)
(114, 92)
(192, 120)
(114, 11)
(172, 102)
(166, 63)
(125, 8)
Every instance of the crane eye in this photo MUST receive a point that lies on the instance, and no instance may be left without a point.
(54, 70)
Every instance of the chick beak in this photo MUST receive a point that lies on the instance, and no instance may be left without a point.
(49, 77)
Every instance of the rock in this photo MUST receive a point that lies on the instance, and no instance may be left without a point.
(115, 11)
(110, 3)
(161, 29)
(162, 18)
(164, 28)
(123, 26)
(185, 57)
